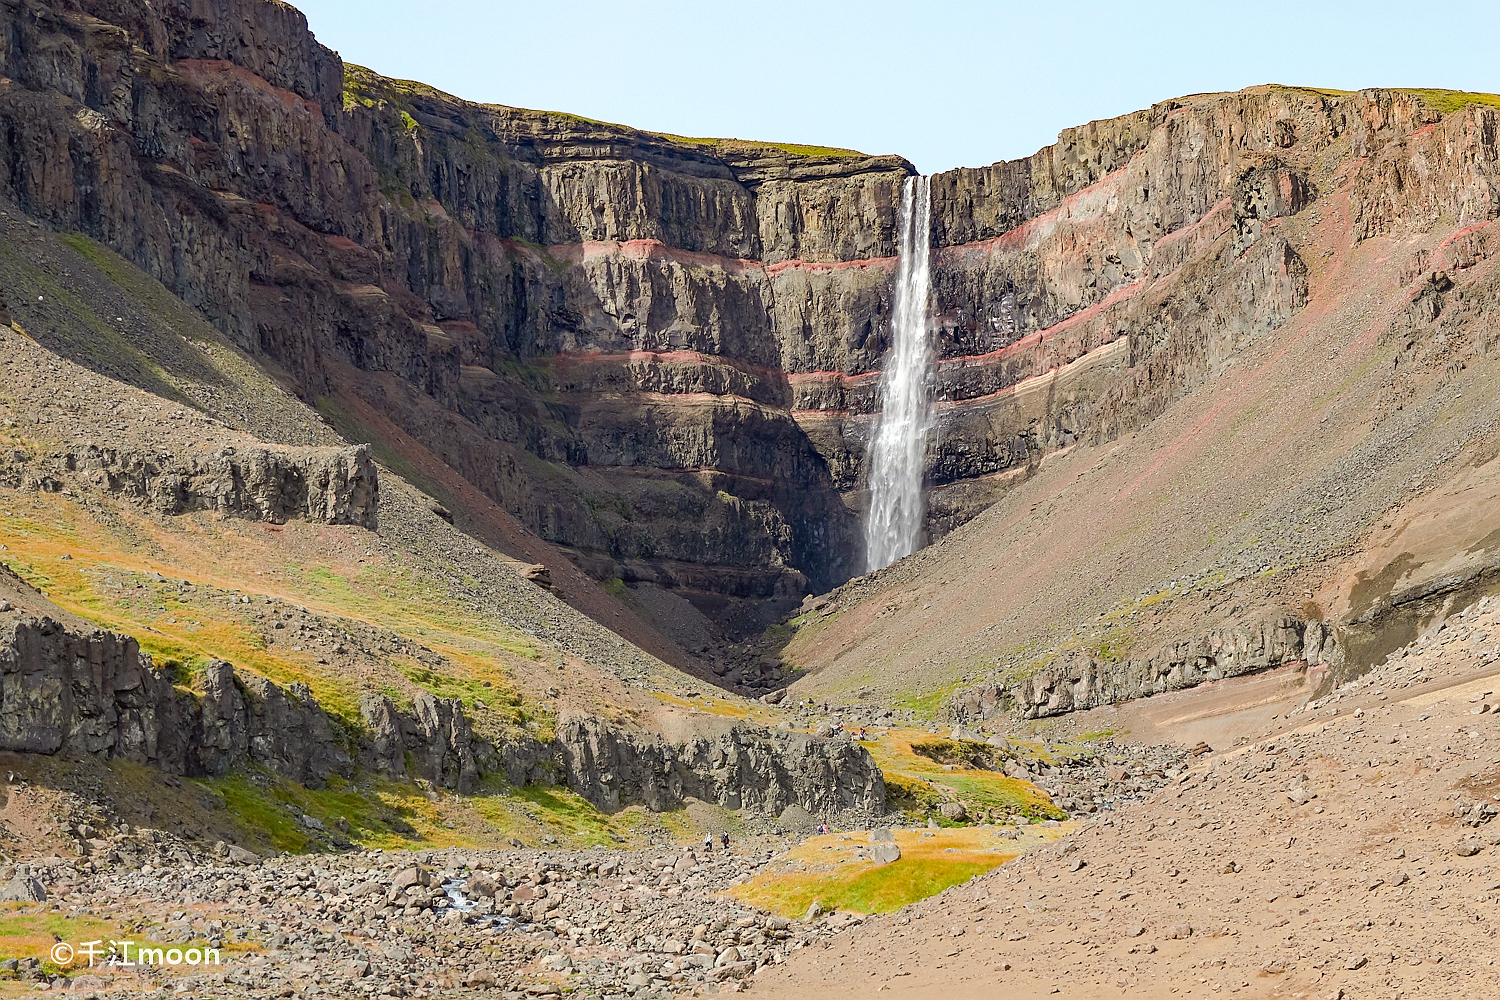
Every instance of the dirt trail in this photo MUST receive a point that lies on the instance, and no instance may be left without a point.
(1319, 855)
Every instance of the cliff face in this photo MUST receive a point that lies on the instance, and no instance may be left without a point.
(661, 354)
(95, 696)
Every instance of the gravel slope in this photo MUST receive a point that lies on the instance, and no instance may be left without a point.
(1344, 851)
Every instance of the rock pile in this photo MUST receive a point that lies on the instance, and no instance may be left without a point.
(440, 923)
(1111, 777)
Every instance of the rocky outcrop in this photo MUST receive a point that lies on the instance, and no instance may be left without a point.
(323, 485)
(751, 768)
(434, 742)
(96, 695)
(747, 768)
(1080, 680)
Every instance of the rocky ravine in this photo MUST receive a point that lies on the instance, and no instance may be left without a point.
(660, 355)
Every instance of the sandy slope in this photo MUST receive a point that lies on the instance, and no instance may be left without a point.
(1291, 474)
(1224, 883)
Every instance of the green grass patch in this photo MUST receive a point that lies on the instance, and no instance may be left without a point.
(875, 890)
(910, 794)
(465, 689)
(577, 817)
(752, 145)
(961, 753)
(28, 931)
(1446, 102)
(926, 704)
(922, 771)
(829, 869)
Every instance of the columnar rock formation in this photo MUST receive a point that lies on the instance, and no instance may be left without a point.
(1083, 680)
(325, 485)
(96, 696)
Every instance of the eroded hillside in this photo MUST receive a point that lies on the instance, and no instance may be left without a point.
(659, 354)
(1287, 447)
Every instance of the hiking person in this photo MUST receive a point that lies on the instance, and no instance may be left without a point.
(725, 838)
(708, 842)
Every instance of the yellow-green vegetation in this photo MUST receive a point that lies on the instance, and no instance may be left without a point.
(1320, 91)
(926, 703)
(578, 821)
(753, 146)
(126, 573)
(1448, 101)
(29, 931)
(267, 812)
(917, 780)
(366, 88)
(108, 579)
(714, 704)
(829, 869)
(960, 753)
(1115, 644)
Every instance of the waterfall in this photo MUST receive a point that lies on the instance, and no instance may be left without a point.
(897, 457)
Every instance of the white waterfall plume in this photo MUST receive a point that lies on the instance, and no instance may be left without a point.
(897, 457)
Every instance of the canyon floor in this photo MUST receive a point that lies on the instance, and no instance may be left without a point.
(1340, 848)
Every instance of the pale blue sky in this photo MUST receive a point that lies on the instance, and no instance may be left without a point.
(944, 84)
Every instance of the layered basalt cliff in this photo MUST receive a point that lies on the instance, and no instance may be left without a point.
(660, 354)
(322, 485)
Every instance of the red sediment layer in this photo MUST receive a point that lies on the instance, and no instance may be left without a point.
(1190, 228)
(664, 357)
(1027, 342)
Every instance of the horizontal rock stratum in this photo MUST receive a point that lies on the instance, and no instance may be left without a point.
(685, 332)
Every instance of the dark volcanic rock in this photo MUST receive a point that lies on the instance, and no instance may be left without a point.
(97, 695)
(747, 768)
(323, 485)
(1079, 681)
